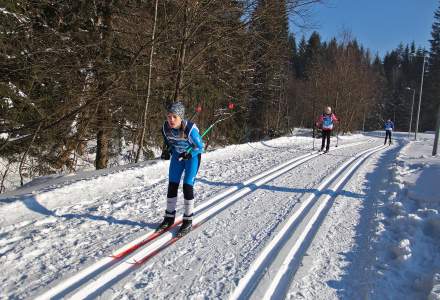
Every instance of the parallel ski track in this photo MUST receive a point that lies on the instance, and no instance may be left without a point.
(270, 275)
(108, 270)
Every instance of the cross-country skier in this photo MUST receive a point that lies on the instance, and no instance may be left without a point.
(180, 135)
(326, 122)
(389, 127)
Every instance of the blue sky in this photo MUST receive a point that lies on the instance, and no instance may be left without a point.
(377, 24)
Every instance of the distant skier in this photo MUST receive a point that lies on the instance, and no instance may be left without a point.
(179, 136)
(326, 122)
(389, 127)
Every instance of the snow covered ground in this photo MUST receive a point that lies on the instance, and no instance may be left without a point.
(407, 229)
(377, 235)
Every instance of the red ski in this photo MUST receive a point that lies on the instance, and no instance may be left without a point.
(152, 237)
(162, 247)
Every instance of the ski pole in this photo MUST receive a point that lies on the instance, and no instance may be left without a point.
(337, 137)
(337, 132)
(230, 106)
(208, 130)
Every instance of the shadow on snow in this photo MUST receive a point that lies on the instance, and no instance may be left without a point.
(356, 282)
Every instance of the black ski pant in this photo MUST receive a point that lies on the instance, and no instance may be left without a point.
(387, 135)
(326, 136)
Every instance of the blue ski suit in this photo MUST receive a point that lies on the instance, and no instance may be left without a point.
(389, 127)
(178, 141)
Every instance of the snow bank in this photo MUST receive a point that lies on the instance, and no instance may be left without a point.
(408, 228)
(43, 196)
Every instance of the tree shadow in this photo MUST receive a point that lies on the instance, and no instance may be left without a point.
(240, 185)
(219, 183)
(273, 148)
(337, 155)
(264, 143)
(32, 204)
(45, 184)
(355, 283)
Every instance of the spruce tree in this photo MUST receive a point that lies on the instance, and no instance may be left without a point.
(432, 98)
(313, 50)
(300, 64)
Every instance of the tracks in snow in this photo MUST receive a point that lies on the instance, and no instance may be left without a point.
(270, 275)
(93, 280)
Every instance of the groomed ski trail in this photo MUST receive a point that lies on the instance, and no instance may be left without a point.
(107, 271)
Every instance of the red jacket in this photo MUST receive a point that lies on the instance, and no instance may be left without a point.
(326, 122)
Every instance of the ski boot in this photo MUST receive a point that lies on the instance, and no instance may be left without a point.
(186, 226)
(168, 221)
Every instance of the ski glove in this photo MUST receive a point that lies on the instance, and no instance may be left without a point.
(185, 156)
(165, 154)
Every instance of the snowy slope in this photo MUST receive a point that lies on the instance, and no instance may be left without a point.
(61, 226)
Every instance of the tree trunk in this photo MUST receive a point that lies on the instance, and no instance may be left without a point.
(147, 99)
(102, 137)
(181, 56)
(2, 183)
(103, 113)
(23, 158)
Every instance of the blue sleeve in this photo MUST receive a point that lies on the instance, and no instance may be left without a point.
(196, 141)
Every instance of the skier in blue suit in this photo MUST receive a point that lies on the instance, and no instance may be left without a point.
(180, 135)
(389, 127)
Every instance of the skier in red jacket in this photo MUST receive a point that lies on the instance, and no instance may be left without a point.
(326, 122)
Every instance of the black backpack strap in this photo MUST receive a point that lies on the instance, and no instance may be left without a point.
(165, 128)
